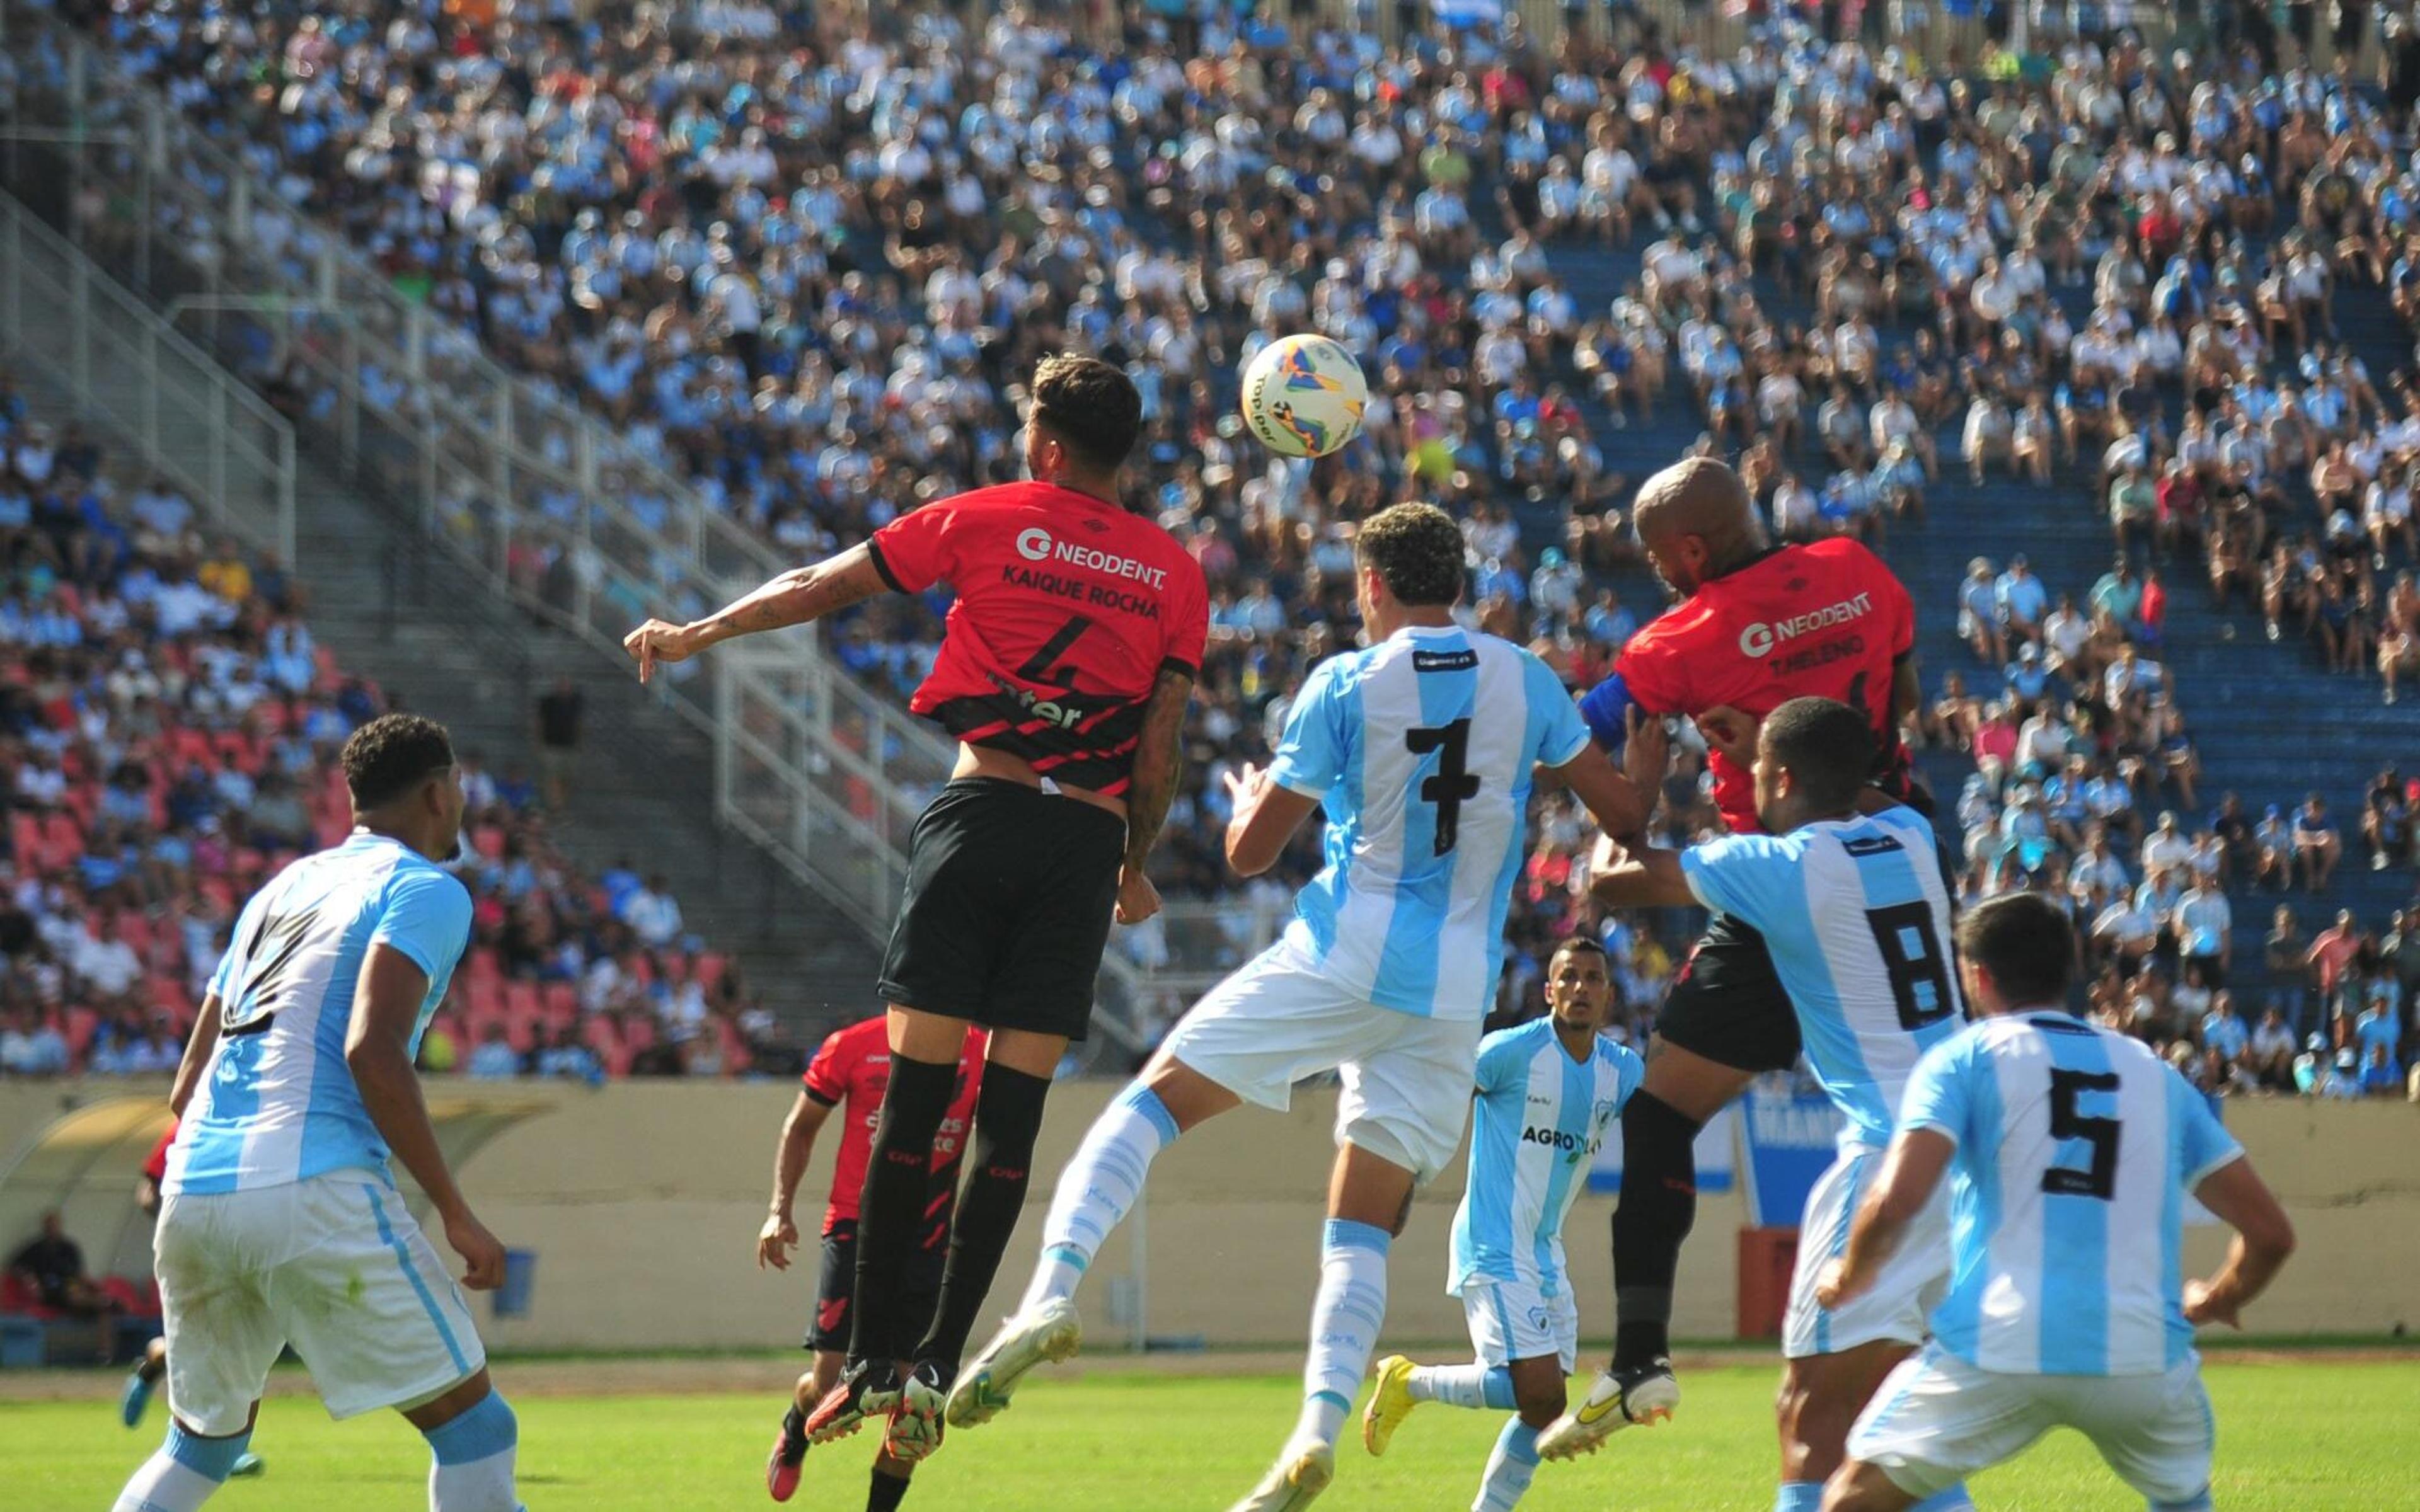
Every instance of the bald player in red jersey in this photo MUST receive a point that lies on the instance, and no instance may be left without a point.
(1757, 625)
(1064, 672)
(850, 1072)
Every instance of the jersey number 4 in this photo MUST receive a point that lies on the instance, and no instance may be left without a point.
(1452, 785)
(2099, 1178)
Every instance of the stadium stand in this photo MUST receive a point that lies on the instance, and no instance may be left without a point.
(2089, 290)
(170, 731)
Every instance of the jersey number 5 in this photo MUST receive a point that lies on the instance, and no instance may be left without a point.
(1452, 785)
(2099, 1178)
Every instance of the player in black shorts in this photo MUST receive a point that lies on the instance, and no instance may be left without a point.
(1068, 660)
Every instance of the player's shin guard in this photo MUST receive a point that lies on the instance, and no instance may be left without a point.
(1510, 1465)
(898, 1182)
(1008, 1117)
(473, 1454)
(1098, 1189)
(1463, 1386)
(182, 1472)
(1344, 1324)
(1657, 1207)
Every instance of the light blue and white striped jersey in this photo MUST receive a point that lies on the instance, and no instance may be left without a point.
(1856, 915)
(2075, 1150)
(277, 1102)
(1422, 750)
(1535, 1127)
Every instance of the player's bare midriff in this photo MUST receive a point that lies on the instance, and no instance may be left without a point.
(986, 761)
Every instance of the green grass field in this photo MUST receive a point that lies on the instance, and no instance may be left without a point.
(2310, 1436)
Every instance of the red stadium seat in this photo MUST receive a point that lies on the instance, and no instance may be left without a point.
(674, 967)
(18, 1298)
(82, 1024)
(710, 966)
(736, 1058)
(135, 930)
(562, 1005)
(600, 1035)
(484, 997)
(25, 840)
(82, 800)
(640, 1033)
(62, 839)
(483, 965)
(331, 676)
(488, 841)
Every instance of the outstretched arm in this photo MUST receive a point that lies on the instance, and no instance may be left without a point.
(798, 596)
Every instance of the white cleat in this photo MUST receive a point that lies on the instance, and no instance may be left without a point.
(1633, 1398)
(1294, 1482)
(1037, 1336)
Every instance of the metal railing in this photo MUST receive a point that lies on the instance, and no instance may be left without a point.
(127, 369)
(529, 495)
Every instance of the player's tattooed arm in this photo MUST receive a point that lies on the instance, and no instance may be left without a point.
(798, 596)
(1157, 766)
(197, 1056)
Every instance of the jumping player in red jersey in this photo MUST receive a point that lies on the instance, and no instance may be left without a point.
(1064, 672)
(850, 1072)
(1757, 625)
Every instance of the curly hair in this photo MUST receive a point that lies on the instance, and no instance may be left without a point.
(1090, 407)
(391, 754)
(1416, 549)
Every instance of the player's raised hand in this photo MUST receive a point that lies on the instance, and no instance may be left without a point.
(659, 640)
(483, 1253)
(1138, 899)
(1244, 785)
(1729, 733)
(2206, 1304)
(775, 1241)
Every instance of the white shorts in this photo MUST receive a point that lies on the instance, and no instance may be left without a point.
(1937, 1420)
(1901, 1298)
(1407, 1079)
(332, 1265)
(1513, 1320)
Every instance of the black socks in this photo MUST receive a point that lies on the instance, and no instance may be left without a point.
(891, 1212)
(1657, 1207)
(1008, 1115)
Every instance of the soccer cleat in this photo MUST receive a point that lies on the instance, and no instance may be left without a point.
(915, 1428)
(1048, 1333)
(790, 1451)
(135, 1399)
(1641, 1396)
(1297, 1479)
(247, 1464)
(868, 1388)
(1390, 1404)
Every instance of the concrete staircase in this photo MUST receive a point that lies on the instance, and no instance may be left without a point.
(395, 609)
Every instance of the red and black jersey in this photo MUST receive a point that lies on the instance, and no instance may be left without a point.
(1826, 619)
(853, 1066)
(1068, 609)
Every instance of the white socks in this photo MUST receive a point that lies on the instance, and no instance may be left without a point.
(1510, 1465)
(472, 1468)
(1344, 1324)
(1463, 1386)
(182, 1474)
(1098, 1189)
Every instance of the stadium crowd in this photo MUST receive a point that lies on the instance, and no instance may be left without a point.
(169, 729)
(801, 259)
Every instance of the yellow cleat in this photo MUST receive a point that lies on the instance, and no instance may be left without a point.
(1390, 1404)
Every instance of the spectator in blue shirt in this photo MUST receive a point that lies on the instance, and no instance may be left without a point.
(2022, 600)
(2222, 1031)
(494, 1060)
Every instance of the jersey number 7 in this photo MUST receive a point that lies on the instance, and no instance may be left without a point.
(1452, 785)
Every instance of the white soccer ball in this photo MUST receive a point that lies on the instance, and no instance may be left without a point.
(1303, 395)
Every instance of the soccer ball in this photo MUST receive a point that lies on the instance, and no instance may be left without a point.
(1303, 395)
